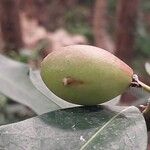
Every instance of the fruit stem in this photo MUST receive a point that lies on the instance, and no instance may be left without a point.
(137, 83)
(147, 109)
(144, 86)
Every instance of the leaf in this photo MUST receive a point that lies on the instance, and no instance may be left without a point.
(15, 83)
(79, 128)
(113, 102)
(147, 67)
(37, 81)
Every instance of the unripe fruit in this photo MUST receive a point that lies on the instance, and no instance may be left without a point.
(85, 75)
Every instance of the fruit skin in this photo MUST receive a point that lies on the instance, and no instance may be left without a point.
(85, 75)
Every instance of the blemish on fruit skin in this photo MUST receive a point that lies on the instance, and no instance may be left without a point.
(71, 81)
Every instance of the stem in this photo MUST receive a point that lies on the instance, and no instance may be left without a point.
(136, 82)
(147, 109)
(144, 86)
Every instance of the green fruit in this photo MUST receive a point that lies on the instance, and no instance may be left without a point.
(85, 75)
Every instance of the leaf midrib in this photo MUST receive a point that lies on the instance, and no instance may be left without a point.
(103, 127)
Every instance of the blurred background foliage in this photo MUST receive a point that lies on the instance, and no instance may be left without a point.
(30, 29)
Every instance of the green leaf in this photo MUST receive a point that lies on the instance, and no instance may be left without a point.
(15, 84)
(37, 81)
(147, 67)
(113, 102)
(3, 101)
(79, 128)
